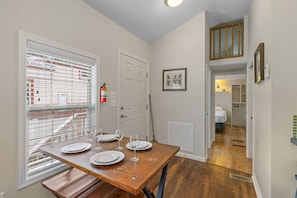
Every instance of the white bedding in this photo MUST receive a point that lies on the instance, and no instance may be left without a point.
(220, 116)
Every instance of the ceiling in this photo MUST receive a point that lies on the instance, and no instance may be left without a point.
(151, 19)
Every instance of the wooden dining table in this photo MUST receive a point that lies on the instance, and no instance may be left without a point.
(127, 175)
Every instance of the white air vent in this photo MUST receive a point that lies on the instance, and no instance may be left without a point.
(181, 134)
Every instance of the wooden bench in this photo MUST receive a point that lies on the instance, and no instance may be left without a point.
(70, 183)
(105, 190)
(74, 183)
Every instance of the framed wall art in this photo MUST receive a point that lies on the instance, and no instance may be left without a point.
(259, 63)
(175, 79)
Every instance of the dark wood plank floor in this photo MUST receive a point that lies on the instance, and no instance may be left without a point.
(192, 179)
(187, 178)
(229, 150)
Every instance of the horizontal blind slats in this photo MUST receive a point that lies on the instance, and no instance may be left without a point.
(60, 103)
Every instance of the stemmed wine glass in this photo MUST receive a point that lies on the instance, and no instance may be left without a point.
(119, 133)
(134, 143)
(90, 140)
(97, 138)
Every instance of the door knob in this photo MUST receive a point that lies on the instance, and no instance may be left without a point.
(123, 116)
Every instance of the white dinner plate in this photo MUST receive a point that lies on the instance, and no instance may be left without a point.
(143, 145)
(108, 138)
(107, 158)
(76, 147)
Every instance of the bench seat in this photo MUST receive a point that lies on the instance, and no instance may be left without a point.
(70, 183)
(74, 183)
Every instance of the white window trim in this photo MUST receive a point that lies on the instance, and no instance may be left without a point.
(23, 40)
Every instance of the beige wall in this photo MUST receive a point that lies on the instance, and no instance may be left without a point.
(183, 47)
(72, 23)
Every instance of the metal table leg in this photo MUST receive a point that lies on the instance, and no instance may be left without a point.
(149, 194)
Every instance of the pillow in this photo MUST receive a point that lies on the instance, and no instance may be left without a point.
(218, 108)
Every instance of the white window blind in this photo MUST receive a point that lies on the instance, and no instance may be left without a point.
(59, 102)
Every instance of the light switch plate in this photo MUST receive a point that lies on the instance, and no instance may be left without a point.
(113, 103)
(267, 71)
(113, 94)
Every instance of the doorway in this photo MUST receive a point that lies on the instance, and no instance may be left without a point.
(228, 146)
(133, 95)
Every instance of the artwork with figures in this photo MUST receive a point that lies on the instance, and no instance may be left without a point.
(175, 79)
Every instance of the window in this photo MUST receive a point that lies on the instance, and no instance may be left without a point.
(57, 102)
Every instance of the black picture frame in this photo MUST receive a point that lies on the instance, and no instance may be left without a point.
(175, 79)
(259, 63)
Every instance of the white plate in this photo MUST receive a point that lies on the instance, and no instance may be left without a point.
(106, 157)
(76, 147)
(143, 145)
(117, 156)
(108, 138)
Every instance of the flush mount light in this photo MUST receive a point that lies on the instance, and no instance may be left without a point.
(173, 3)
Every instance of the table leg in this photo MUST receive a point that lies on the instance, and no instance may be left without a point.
(147, 193)
(161, 185)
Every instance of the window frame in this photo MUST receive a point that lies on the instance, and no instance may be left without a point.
(24, 38)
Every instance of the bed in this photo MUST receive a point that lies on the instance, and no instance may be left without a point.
(220, 118)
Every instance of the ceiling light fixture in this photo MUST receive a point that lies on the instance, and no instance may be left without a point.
(173, 3)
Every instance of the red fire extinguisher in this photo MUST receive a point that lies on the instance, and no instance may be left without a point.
(103, 93)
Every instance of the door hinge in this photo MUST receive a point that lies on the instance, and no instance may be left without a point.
(146, 107)
(146, 75)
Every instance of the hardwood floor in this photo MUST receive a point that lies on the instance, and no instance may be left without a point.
(187, 178)
(229, 150)
(192, 179)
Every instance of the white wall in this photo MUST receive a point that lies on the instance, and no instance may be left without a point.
(284, 97)
(260, 31)
(72, 23)
(224, 99)
(275, 159)
(183, 47)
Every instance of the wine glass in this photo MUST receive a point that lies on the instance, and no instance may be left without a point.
(97, 138)
(101, 132)
(119, 133)
(134, 144)
(90, 140)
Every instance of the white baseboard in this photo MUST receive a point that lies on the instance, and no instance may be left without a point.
(189, 156)
(256, 186)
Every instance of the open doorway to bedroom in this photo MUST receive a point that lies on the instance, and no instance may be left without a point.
(228, 148)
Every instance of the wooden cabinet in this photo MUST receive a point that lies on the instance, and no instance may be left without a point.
(238, 117)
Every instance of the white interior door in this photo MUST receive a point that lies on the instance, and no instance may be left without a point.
(133, 103)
